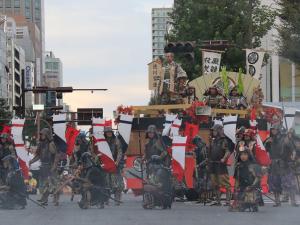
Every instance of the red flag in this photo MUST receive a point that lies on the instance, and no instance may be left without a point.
(191, 130)
(261, 155)
(108, 123)
(6, 130)
(71, 135)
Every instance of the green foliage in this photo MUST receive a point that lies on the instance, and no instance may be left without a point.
(241, 22)
(240, 82)
(289, 30)
(225, 81)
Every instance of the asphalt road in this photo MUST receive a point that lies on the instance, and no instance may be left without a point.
(132, 213)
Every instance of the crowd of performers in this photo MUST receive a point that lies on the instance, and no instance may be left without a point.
(83, 172)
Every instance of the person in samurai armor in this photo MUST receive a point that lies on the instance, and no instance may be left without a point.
(236, 100)
(170, 72)
(218, 154)
(201, 173)
(116, 179)
(212, 97)
(247, 176)
(6, 148)
(13, 192)
(155, 146)
(93, 184)
(81, 146)
(248, 140)
(288, 167)
(274, 146)
(48, 155)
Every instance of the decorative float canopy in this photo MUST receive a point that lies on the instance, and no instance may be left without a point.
(204, 82)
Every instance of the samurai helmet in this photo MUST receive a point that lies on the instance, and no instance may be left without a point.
(108, 129)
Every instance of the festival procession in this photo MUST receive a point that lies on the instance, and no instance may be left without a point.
(219, 133)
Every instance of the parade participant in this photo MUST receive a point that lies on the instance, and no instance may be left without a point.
(201, 154)
(274, 146)
(13, 193)
(155, 146)
(247, 176)
(181, 89)
(92, 180)
(170, 72)
(158, 190)
(236, 100)
(218, 155)
(116, 179)
(47, 154)
(212, 97)
(6, 148)
(81, 146)
(287, 167)
(223, 104)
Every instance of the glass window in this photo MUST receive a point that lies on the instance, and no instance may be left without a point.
(48, 65)
(1, 3)
(27, 13)
(17, 4)
(285, 82)
(55, 66)
(37, 4)
(8, 3)
(27, 3)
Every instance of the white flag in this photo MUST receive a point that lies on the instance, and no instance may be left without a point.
(229, 124)
(254, 60)
(211, 62)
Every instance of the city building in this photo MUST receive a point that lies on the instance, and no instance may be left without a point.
(280, 77)
(16, 70)
(29, 13)
(53, 77)
(160, 26)
(4, 78)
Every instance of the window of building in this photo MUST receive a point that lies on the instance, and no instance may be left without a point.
(55, 66)
(37, 4)
(48, 66)
(17, 77)
(1, 3)
(27, 13)
(17, 4)
(8, 3)
(285, 80)
(27, 3)
(17, 54)
(17, 65)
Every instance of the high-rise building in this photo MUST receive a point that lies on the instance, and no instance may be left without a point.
(16, 67)
(53, 77)
(30, 14)
(160, 25)
(4, 76)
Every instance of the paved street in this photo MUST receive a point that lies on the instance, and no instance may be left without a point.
(131, 213)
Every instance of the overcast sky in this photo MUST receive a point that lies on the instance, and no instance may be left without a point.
(102, 44)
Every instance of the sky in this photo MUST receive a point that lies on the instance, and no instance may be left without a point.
(102, 44)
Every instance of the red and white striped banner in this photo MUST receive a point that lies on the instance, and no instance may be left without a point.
(178, 156)
(124, 127)
(169, 119)
(22, 154)
(104, 151)
(175, 127)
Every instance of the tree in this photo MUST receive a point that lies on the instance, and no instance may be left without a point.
(242, 22)
(289, 29)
